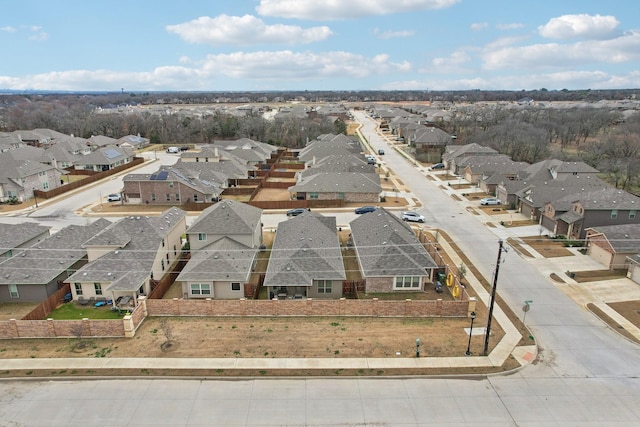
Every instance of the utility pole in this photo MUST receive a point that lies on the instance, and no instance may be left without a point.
(493, 298)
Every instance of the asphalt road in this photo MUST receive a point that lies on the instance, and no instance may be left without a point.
(586, 374)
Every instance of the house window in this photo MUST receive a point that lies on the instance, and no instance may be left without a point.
(98, 288)
(162, 264)
(325, 286)
(153, 197)
(78, 287)
(614, 214)
(45, 185)
(13, 291)
(170, 184)
(163, 243)
(313, 195)
(168, 197)
(197, 159)
(200, 289)
(202, 237)
(235, 286)
(404, 282)
(167, 255)
(632, 214)
(195, 197)
(175, 250)
(206, 160)
(340, 195)
(177, 197)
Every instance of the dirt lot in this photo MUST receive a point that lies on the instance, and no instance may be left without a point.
(325, 337)
(546, 247)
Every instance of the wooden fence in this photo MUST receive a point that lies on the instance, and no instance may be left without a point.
(93, 177)
(47, 306)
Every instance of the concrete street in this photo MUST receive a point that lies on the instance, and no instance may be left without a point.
(585, 373)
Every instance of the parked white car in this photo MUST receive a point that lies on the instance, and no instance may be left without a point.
(490, 201)
(412, 216)
(114, 197)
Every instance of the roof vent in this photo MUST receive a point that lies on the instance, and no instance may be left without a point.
(84, 274)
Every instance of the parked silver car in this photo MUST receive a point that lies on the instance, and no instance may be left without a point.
(412, 216)
(490, 201)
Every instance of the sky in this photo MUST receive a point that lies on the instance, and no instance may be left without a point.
(274, 45)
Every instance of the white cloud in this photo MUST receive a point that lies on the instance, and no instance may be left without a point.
(572, 80)
(245, 30)
(39, 37)
(314, 10)
(286, 65)
(582, 25)
(622, 49)
(385, 35)
(267, 66)
(453, 63)
(479, 26)
(512, 26)
(8, 29)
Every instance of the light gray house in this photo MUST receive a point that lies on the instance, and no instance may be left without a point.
(105, 158)
(128, 256)
(224, 241)
(36, 272)
(306, 259)
(16, 236)
(391, 257)
(19, 178)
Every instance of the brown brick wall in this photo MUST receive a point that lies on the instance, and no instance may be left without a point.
(309, 307)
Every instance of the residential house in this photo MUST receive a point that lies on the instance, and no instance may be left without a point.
(134, 142)
(101, 141)
(224, 241)
(234, 220)
(128, 257)
(611, 245)
(480, 168)
(572, 215)
(390, 255)
(454, 153)
(306, 259)
(19, 178)
(352, 187)
(32, 138)
(198, 182)
(36, 272)
(105, 158)
(327, 145)
(429, 142)
(9, 141)
(253, 153)
(545, 181)
(17, 236)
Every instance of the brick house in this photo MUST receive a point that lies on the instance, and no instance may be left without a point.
(391, 257)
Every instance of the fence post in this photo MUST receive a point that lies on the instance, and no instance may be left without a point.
(129, 329)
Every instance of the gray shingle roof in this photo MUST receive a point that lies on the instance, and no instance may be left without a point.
(340, 182)
(223, 260)
(44, 261)
(306, 248)
(386, 246)
(227, 217)
(624, 238)
(13, 236)
(128, 266)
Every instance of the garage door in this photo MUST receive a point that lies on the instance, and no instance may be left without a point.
(600, 255)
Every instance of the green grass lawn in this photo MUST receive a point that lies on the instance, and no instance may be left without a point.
(72, 311)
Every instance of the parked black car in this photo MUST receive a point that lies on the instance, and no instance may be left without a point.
(437, 166)
(365, 209)
(296, 212)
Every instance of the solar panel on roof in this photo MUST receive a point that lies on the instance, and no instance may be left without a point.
(111, 153)
(159, 176)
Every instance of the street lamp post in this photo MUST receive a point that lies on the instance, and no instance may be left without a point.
(473, 317)
(35, 199)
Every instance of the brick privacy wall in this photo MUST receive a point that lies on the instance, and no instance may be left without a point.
(309, 307)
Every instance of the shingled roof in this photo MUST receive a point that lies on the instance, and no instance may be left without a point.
(387, 246)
